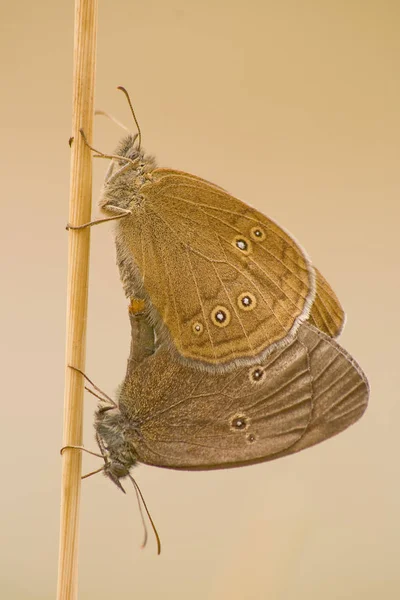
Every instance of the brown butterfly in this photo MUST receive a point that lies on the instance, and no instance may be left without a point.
(171, 414)
(222, 283)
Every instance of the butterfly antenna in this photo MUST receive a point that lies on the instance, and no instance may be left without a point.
(113, 119)
(142, 517)
(139, 494)
(133, 114)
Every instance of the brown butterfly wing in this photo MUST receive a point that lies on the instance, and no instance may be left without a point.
(326, 312)
(189, 419)
(225, 281)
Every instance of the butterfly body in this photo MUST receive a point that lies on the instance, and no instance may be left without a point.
(112, 433)
(223, 285)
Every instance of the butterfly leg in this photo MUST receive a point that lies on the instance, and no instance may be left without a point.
(106, 397)
(123, 212)
(83, 449)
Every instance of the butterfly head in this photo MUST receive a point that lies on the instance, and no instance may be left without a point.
(139, 161)
(128, 147)
(129, 170)
(112, 436)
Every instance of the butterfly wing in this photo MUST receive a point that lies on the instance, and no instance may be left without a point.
(326, 312)
(340, 388)
(192, 419)
(224, 282)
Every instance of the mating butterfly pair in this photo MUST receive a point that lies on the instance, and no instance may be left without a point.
(232, 357)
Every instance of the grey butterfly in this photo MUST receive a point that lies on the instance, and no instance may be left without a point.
(170, 414)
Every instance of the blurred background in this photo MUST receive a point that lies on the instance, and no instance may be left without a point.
(293, 107)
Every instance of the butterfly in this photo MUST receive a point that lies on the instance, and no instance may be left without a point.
(171, 414)
(223, 284)
(232, 359)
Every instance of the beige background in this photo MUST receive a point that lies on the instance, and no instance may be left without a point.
(294, 107)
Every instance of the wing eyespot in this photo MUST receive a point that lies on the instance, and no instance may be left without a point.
(242, 244)
(240, 422)
(247, 301)
(257, 234)
(197, 328)
(220, 316)
(257, 375)
(251, 438)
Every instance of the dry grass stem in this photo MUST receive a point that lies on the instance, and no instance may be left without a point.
(78, 271)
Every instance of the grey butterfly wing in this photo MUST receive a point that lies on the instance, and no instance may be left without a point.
(189, 419)
(193, 419)
(340, 388)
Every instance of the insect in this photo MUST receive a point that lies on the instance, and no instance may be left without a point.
(229, 318)
(174, 415)
(222, 284)
(232, 359)
(171, 414)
